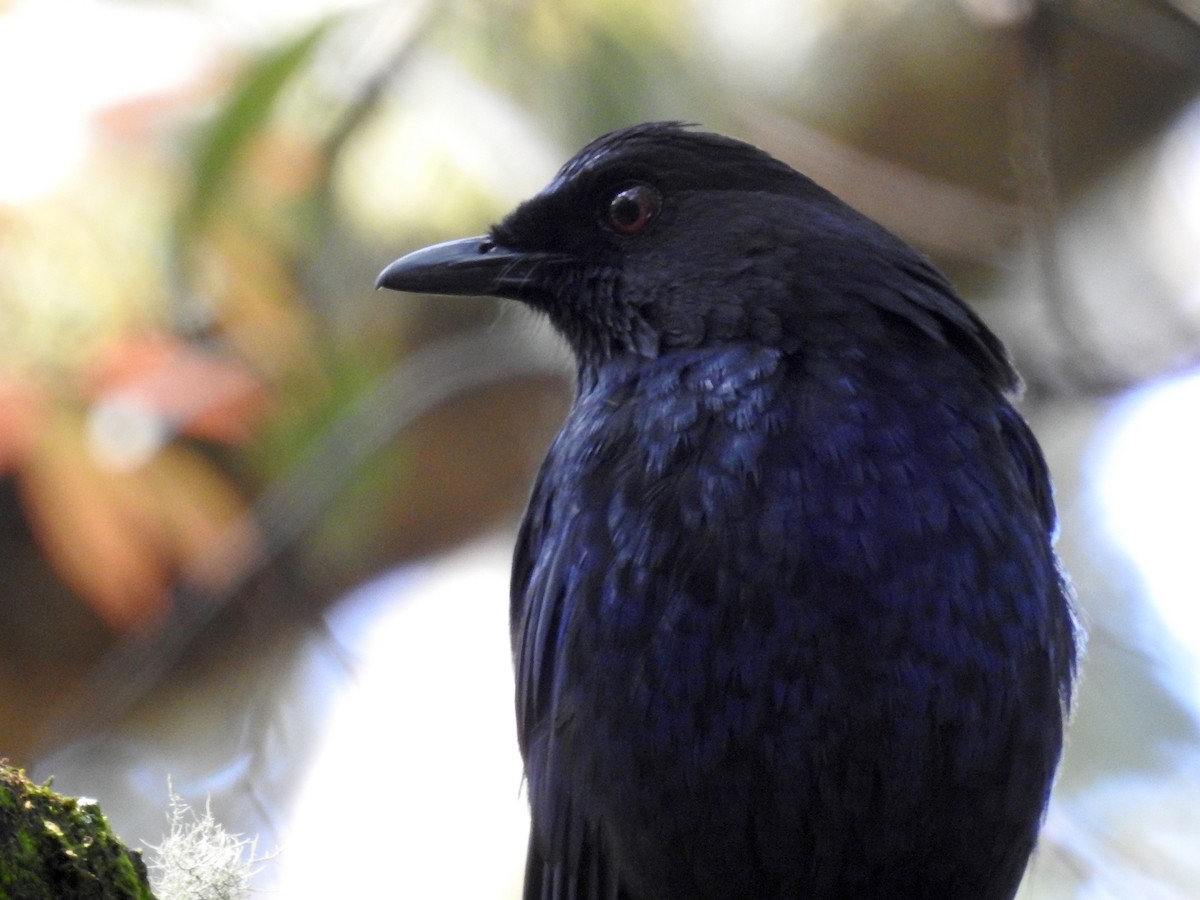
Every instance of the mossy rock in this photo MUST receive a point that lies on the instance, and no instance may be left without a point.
(54, 847)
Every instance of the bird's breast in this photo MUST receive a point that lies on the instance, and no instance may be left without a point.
(733, 553)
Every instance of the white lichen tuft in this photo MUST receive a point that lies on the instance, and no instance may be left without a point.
(200, 860)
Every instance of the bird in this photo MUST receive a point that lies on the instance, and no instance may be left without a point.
(787, 618)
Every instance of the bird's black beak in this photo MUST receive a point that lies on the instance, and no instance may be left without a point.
(470, 266)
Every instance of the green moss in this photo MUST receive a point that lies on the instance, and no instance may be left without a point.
(52, 847)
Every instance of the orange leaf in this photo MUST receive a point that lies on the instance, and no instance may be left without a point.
(193, 391)
(122, 539)
(102, 546)
(22, 409)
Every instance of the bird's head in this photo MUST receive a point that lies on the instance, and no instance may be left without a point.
(657, 237)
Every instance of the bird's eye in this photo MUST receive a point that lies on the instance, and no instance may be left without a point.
(632, 208)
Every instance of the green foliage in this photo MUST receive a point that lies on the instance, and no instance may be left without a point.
(243, 116)
(53, 847)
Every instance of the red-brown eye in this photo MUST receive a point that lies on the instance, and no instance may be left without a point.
(632, 208)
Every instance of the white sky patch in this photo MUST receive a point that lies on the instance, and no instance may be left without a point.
(1147, 481)
(1146, 473)
(63, 61)
(415, 789)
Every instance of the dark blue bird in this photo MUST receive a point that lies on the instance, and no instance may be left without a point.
(786, 617)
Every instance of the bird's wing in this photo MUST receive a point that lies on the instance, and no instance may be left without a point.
(588, 878)
(565, 860)
(1028, 454)
(536, 601)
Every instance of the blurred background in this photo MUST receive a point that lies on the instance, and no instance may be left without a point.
(255, 518)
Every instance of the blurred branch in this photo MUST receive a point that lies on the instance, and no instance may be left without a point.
(1168, 34)
(374, 86)
(1034, 133)
(1086, 367)
(290, 507)
(1188, 8)
(942, 218)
